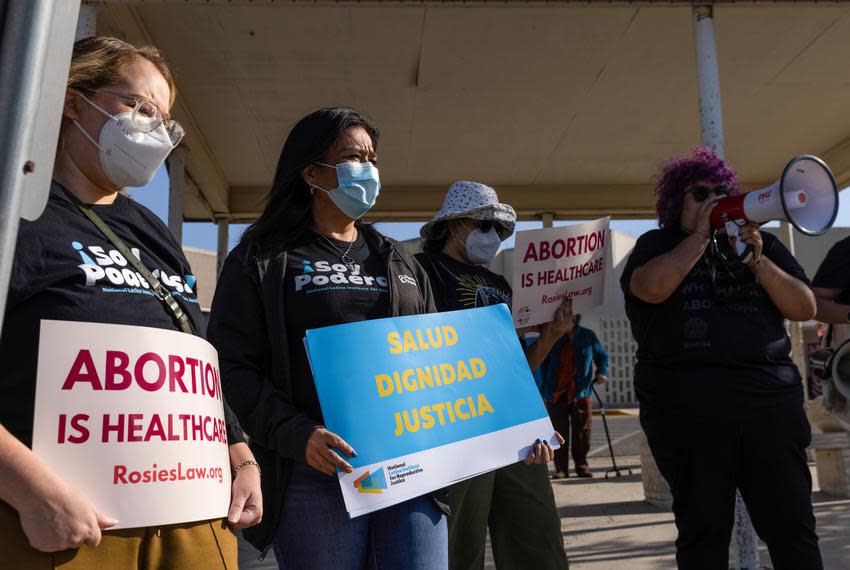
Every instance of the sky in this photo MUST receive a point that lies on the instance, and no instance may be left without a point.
(204, 235)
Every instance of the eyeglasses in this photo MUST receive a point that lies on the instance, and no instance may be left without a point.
(700, 192)
(147, 117)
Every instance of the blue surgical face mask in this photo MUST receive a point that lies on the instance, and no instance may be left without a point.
(359, 186)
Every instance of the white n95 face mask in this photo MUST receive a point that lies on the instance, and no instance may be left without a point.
(481, 247)
(129, 157)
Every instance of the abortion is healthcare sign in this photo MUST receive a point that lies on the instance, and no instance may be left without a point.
(557, 263)
(425, 401)
(134, 417)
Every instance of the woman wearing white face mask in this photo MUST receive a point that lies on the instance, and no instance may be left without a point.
(516, 502)
(115, 132)
(309, 262)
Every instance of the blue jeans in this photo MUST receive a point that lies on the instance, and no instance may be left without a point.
(316, 533)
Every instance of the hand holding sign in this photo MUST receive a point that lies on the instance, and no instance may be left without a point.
(135, 417)
(60, 516)
(562, 323)
(321, 457)
(542, 452)
(554, 264)
(428, 400)
(246, 502)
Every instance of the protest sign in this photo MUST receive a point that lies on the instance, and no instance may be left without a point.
(426, 401)
(134, 417)
(557, 263)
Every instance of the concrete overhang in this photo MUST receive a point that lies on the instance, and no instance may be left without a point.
(563, 107)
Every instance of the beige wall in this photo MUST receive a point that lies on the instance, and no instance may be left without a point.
(202, 262)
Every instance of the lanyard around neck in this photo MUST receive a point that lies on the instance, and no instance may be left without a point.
(165, 297)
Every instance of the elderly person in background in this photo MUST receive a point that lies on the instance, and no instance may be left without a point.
(566, 383)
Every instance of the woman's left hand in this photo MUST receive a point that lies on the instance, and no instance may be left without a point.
(542, 452)
(751, 235)
(246, 498)
(562, 322)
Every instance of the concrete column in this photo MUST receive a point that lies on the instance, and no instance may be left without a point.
(745, 549)
(548, 219)
(708, 77)
(86, 21)
(223, 238)
(176, 164)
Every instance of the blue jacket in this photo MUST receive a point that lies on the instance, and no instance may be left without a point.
(587, 351)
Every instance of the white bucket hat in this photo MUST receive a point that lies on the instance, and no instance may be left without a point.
(466, 199)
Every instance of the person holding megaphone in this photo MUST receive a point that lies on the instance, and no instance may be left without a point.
(721, 401)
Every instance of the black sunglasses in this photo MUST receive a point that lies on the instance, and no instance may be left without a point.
(483, 225)
(700, 192)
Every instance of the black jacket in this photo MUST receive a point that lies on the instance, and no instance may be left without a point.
(248, 328)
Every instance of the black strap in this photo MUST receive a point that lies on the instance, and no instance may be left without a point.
(160, 292)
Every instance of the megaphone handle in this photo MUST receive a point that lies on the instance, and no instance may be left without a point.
(744, 250)
(733, 231)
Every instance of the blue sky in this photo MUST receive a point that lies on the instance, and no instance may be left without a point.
(204, 234)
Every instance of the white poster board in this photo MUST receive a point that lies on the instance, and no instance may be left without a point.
(134, 417)
(554, 263)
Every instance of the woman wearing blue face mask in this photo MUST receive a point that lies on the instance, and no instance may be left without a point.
(516, 502)
(308, 262)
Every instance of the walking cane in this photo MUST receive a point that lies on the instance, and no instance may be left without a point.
(616, 469)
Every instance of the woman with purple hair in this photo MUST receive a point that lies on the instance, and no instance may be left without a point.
(721, 400)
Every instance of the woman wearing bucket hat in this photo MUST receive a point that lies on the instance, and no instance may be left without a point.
(515, 502)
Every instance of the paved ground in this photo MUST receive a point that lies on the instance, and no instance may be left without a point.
(608, 526)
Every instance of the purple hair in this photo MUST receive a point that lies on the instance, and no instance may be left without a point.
(679, 173)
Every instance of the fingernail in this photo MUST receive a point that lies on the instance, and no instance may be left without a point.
(545, 442)
(353, 453)
(537, 441)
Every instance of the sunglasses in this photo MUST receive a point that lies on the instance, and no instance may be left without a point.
(483, 225)
(700, 192)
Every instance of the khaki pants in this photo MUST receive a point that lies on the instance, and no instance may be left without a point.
(201, 545)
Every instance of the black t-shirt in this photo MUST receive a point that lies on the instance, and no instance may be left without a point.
(322, 291)
(460, 286)
(717, 346)
(834, 271)
(66, 270)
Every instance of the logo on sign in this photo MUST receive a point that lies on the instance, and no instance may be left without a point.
(371, 482)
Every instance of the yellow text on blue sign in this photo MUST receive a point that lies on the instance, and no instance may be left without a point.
(432, 377)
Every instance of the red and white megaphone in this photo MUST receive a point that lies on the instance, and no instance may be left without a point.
(805, 195)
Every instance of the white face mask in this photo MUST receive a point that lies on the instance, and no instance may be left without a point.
(128, 156)
(482, 247)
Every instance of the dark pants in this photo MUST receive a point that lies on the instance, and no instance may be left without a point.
(764, 456)
(316, 533)
(576, 418)
(517, 504)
